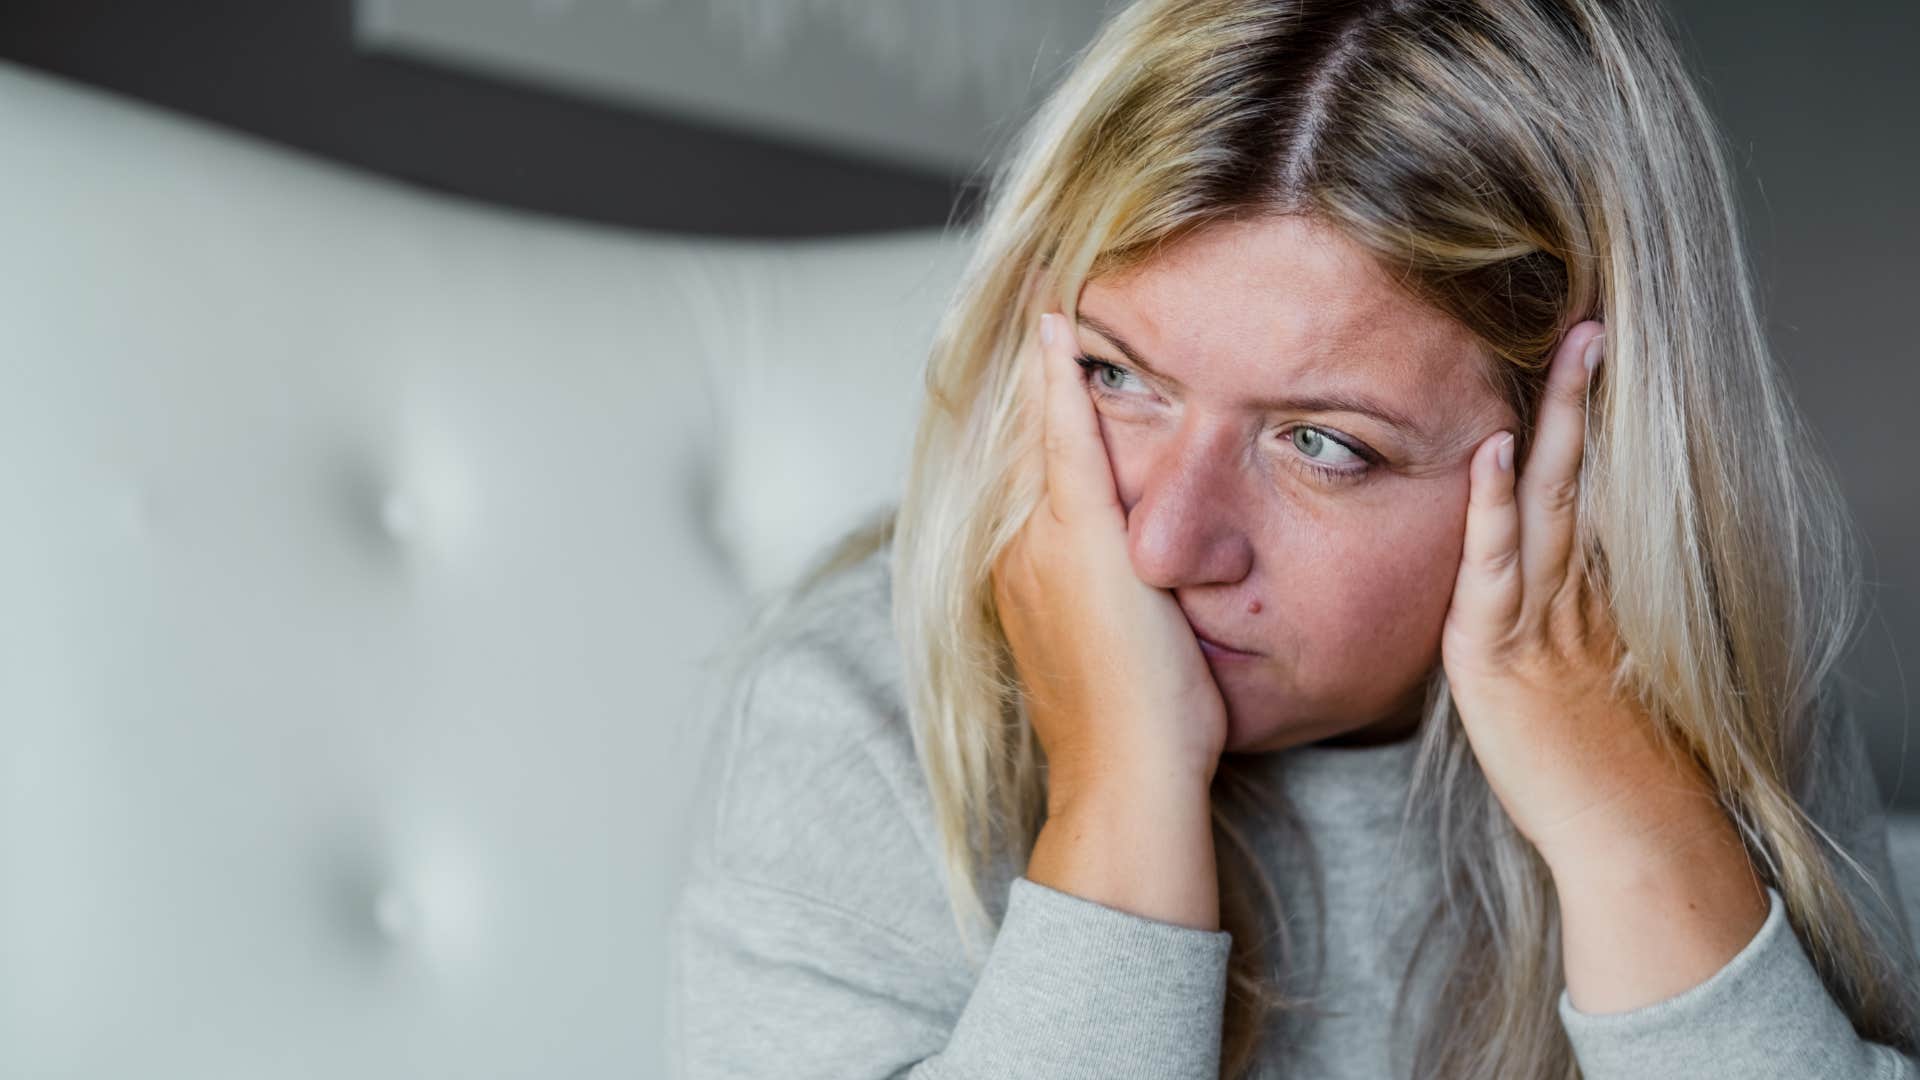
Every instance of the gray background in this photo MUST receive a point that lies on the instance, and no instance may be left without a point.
(923, 83)
(1818, 99)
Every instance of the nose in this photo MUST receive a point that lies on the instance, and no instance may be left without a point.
(1184, 528)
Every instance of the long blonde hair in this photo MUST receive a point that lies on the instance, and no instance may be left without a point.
(1519, 165)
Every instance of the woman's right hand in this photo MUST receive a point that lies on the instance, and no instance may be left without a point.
(1117, 687)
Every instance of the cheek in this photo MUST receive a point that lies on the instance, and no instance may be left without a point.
(1129, 455)
(1369, 588)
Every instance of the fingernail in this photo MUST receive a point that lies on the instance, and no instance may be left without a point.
(1504, 455)
(1046, 329)
(1595, 349)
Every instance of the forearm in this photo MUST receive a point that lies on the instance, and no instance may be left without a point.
(1655, 905)
(1136, 841)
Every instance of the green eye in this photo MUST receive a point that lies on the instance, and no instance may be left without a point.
(1323, 449)
(1108, 378)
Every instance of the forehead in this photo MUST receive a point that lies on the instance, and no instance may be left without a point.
(1262, 304)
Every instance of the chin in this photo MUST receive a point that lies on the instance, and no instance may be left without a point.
(1278, 723)
(1273, 726)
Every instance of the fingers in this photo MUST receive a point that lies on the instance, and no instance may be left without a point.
(1549, 488)
(1520, 532)
(1079, 480)
(1487, 592)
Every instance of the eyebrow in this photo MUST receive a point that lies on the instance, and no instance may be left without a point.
(1326, 402)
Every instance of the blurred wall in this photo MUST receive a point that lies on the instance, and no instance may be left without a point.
(934, 84)
(1818, 99)
(289, 72)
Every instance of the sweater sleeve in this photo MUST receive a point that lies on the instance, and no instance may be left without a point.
(1767, 1014)
(770, 983)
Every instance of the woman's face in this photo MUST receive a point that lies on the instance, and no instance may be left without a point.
(1290, 438)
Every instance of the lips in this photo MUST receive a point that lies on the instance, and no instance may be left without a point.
(1214, 641)
(1228, 649)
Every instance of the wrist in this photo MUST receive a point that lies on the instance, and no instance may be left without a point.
(1681, 853)
(1112, 784)
(1652, 912)
(1136, 842)
(1640, 832)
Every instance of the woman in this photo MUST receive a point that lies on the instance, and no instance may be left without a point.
(1362, 605)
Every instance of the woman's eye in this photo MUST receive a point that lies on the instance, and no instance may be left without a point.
(1323, 449)
(1106, 376)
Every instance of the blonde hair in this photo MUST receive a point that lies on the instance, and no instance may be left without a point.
(1519, 165)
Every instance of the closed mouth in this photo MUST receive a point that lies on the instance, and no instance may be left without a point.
(1204, 640)
(1213, 645)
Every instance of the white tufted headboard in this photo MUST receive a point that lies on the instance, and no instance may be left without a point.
(364, 550)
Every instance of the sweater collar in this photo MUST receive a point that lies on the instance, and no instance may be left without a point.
(1336, 787)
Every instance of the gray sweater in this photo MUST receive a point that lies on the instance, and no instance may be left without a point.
(812, 937)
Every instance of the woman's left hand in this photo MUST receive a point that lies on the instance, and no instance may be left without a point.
(1530, 648)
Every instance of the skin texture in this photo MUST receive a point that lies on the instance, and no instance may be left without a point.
(1350, 575)
(1180, 497)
